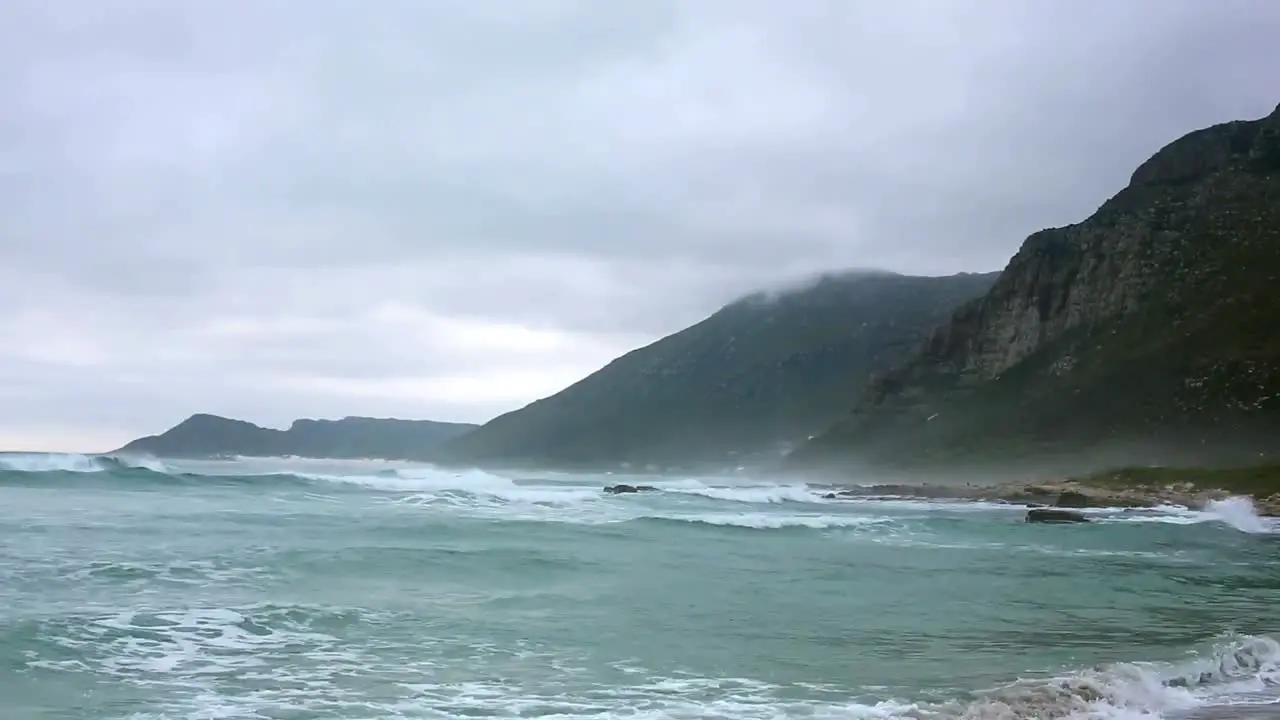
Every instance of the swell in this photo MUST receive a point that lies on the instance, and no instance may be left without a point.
(754, 522)
(126, 477)
(689, 502)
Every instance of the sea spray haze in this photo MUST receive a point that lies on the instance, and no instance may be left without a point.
(309, 589)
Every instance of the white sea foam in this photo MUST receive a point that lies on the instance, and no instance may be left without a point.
(1235, 669)
(767, 521)
(261, 661)
(1240, 513)
(752, 493)
(1237, 512)
(75, 462)
(477, 493)
(936, 505)
(49, 462)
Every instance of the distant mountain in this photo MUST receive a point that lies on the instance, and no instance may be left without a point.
(205, 435)
(1148, 333)
(762, 373)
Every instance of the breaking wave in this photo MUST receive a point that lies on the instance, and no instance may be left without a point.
(236, 639)
(762, 521)
(1235, 670)
(76, 463)
(754, 493)
(1237, 512)
(188, 650)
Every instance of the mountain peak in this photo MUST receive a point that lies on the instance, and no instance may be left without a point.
(1148, 329)
(1249, 144)
(752, 377)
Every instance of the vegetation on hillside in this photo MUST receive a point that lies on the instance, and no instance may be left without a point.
(1148, 333)
(761, 373)
(1258, 481)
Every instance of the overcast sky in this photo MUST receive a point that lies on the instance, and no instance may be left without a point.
(448, 208)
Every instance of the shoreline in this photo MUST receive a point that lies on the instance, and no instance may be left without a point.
(1125, 488)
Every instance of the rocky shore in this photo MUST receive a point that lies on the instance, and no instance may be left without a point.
(1069, 493)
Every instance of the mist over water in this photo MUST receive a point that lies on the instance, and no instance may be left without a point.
(320, 589)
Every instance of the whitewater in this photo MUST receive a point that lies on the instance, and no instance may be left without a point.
(150, 588)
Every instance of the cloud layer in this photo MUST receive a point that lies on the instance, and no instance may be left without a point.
(448, 209)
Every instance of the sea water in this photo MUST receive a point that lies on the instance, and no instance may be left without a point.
(306, 589)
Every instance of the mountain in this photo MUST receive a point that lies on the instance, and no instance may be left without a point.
(1149, 332)
(765, 371)
(204, 435)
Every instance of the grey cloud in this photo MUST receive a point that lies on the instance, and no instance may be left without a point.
(607, 171)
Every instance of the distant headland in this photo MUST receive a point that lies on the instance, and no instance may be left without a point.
(205, 435)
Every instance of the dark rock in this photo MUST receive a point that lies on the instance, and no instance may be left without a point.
(1053, 515)
(622, 489)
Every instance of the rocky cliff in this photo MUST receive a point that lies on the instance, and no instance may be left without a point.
(761, 373)
(1150, 331)
(204, 435)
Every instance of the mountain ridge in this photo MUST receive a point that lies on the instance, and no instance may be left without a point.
(762, 372)
(351, 437)
(1148, 325)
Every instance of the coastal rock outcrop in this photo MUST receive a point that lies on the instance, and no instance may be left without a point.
(1073, 499)
(1130, 488)
(205, 435)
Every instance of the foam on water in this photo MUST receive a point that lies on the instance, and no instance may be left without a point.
(754, 493)
(760, 521)
(188, 631)
(1234, 667)
(1237, 512)
(263, 660)
(75, 463)
(486, 494)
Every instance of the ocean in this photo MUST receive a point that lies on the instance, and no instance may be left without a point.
(292, 589)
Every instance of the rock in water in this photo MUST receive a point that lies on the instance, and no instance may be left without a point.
(620, 489)
(1053, 515)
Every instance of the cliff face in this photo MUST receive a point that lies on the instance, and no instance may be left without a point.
(1155, 322)
(759, 373)
(204, 435)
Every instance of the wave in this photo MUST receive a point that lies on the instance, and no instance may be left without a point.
(766, 494)
(77, 463)
(1237, 512)
(475, 492)
(426, 486)
(764, 521)
(185, 646)
(1234, 670)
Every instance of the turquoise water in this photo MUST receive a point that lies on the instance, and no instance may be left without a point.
(307, 589)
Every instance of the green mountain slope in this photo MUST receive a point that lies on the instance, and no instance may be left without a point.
(1149, 332)
(204, 435)
(761, 372)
